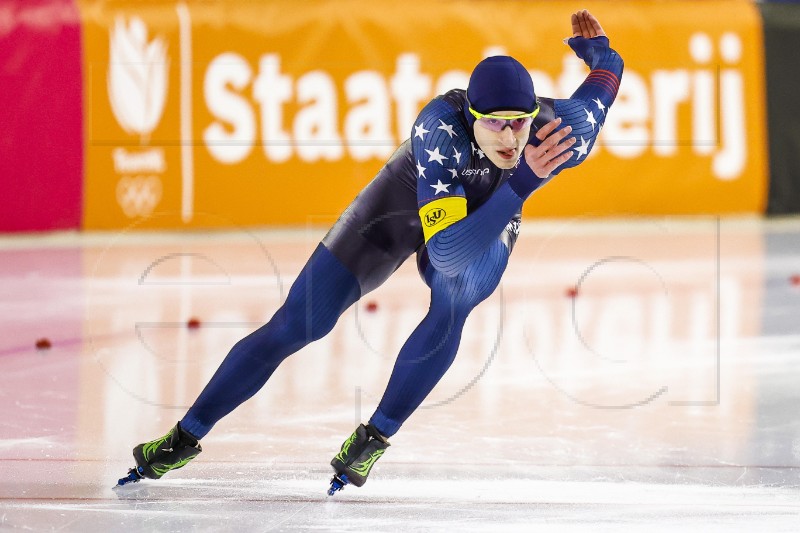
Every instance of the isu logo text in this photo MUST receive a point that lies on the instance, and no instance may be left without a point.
(433, 216)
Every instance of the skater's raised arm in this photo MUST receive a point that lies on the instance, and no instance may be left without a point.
(585, 111)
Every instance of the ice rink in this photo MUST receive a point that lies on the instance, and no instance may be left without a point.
(663, 394)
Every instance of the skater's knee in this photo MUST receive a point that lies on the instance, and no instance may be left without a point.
(476, 283)
(253, 346)
(309, 323)
(462, 297)
(290, 329)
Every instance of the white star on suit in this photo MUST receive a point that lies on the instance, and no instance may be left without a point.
(453, 172)
(420, 170)
(420, 131)
(436, 156)
(448, 128)
(590, 118)
(472, 145)
(600, 105)
(481, 155)
(583, 149)
(440, 187)
(457, 155)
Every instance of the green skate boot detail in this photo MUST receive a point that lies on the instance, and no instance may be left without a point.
(162, 455)
(357, 456)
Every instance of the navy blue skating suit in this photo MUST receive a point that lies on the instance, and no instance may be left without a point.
(440, 169)
(438, 196)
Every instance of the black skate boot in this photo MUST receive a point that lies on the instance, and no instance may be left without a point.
(355, 460)
(157, 457)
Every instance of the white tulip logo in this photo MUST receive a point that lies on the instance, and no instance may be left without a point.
(137, 77)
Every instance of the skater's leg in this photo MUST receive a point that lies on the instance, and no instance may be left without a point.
(423, 360)
(322, 292)
(431, 348)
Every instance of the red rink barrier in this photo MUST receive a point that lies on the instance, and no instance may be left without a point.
(41, 113)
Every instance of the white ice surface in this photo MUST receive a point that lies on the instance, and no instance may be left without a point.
(548, 420)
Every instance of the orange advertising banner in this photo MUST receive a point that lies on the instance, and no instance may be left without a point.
(273, 112)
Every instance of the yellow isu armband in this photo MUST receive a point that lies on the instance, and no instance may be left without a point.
(441, 213)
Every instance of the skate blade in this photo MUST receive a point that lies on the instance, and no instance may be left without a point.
(338, 481)
(134, 475)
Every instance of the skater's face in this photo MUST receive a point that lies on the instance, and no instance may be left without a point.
(503, 147)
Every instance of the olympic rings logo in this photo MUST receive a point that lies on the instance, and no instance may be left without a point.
(138, 196)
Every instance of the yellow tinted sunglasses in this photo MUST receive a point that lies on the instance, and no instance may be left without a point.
(498, 122)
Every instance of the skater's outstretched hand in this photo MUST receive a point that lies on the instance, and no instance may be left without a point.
(584, 24)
